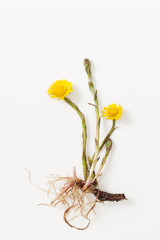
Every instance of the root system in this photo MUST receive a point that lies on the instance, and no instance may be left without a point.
(68, 191)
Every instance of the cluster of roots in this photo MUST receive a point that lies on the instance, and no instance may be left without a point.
(69, 192)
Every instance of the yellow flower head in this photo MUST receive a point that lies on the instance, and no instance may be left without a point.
(112, 112)
(60, 89)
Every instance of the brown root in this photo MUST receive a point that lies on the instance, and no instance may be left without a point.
(77, 203)
(65, 218)
(105, 196)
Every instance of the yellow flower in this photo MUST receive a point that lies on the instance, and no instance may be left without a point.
(60, 89)
(112, 112)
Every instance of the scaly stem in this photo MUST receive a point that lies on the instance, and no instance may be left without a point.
(106, 138)
(95, 156)
(87, 65)
(90, 176)
(108, 135)
(84, 135)
(108, 149)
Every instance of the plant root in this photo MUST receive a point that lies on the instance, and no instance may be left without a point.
(105, 196)
(65, 219)
(77, 203)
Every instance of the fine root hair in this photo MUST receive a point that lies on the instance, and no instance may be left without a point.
(67, 192)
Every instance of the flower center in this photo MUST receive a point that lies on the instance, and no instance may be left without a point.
(61, 91)
(113, 112)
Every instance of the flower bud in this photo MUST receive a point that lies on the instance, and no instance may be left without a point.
(87, 65)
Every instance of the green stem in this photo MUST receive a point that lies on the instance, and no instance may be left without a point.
(84, 135)
(108, 149)
(87, 65)
(106, 138)
(90, 176)
(108, 135)
(95, 156)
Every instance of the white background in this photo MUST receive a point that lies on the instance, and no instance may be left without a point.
(42, 41)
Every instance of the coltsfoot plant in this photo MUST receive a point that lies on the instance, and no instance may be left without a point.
(79, 196)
